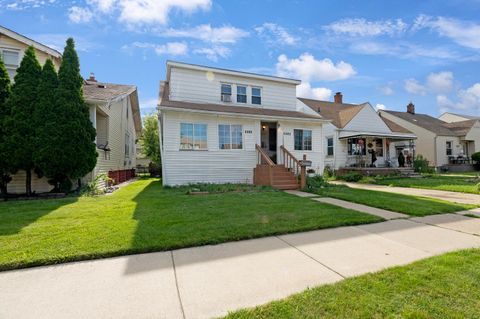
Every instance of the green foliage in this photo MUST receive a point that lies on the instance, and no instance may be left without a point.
(154, 169)
(351, 177)
(476, 157)
(328, 172)
(74, 135)
(150, 140)
(20, 125)
(421, 165)
(315, 182)
(97, 186)
(4, 113)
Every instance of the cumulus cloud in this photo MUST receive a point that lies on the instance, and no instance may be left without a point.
(387, 90)
(317, 93)
(307, 68)
(275, 34)
(412, 86)
(467, 100)
(380, 107)
(365, 28)
(213, 53)
(441, 82)
(207, 33)
(80, 15)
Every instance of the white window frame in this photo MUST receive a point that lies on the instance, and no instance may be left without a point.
(303, 148)
(332, 147)
(193, 137)
(231, 137)
(259, 96)
(449, 148)
(223, 96)
(245, 95)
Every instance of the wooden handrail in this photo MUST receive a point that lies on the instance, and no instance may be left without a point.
(293, 164)
(263, 157)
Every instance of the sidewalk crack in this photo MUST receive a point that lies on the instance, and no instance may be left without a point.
(176, 285)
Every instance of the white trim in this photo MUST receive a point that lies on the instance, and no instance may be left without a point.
(30, 42)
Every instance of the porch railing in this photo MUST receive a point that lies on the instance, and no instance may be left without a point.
(264, 159)
(294, 165)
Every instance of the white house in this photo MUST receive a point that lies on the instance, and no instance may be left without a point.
(455, 117)
(356, 132)
(441, 142)
(226, 126)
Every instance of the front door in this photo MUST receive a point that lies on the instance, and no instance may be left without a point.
(269, 139)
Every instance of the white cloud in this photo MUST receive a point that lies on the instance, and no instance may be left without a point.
(307, 68)
(207, 33)
(462, 32)
(387, 90)
(402, 50)
(441, 82)
(148, 104)
(171, 48)
(144, 12)
(80, 15)
(412, 86)
(213, 53)
(380, 107)
(319, 93)
(365, 28)
(468, 100)
(275, 34)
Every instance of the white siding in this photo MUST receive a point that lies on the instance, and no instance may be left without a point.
(442, 158)
(194, 86)
(367, 120)
(450, 118)
(223, 166)
(17, 185)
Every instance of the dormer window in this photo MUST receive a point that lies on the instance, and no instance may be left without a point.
(226, 93)
(256, 96)
(241, 94)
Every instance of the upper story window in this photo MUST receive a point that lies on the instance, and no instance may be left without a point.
(241, 94)
(193, 136)
(230, 137)
(256, 96)
(329, 146)
(226, 93)
(449, 147)
(11, 59)
(303, 140)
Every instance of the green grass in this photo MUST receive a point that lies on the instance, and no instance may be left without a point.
(145, 217)
(454, 183)
(445, 286)
(406, 204)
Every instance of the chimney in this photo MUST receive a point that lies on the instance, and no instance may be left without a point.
(338, 98)
(411, 108)
(92, 77)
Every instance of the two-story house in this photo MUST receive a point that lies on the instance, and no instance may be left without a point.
(114, 112)
(226, 126)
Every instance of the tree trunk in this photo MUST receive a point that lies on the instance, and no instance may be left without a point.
(79, 181)
(28, 183)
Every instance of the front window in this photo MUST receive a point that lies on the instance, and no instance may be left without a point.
(193, 136)
(356, 146)
(303, 140)
(329, 146)
(449, 148)
(379, 147)
(256, 96)
(127, 145)
(241, 94)
(230, 137)
(226, 93)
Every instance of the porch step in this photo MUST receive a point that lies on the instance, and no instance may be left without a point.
(282, 178)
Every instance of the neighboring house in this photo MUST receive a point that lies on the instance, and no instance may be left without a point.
(114, 112)
(440, 142)
(355, 132)
(13, 46)
(454, 117)
(218, 125)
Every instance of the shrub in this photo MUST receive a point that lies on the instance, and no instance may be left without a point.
(315, 182)
(155, 169)
(476, 157)
(96, 187)
(351, 177)
(327, 172)
(421, 165)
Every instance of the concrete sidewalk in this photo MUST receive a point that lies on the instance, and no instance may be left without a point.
(455, 197)
(209, 281)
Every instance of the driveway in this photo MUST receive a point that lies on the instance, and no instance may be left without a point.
(209, 281)
(456, 197)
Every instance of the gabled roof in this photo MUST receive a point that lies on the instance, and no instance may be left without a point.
(95, 92)
(28, 41)
(165, 102)
(469, 117)
(339, 113)
(394, 127)
(435, 125)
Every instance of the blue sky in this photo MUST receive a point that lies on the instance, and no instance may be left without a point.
(386, 52)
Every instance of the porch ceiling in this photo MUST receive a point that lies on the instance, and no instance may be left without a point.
(394, 136)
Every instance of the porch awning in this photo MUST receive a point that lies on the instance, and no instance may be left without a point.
(393, 136)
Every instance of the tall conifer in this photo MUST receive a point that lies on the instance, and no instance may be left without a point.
(4, 113)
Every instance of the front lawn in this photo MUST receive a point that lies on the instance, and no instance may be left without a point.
(445, 286)
(145, 217)
(454, 183)
(406, 204)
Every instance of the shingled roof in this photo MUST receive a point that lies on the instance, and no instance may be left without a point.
(394, 127)
(339, 113)
(435, 125)
(220, 108)
(98, 91)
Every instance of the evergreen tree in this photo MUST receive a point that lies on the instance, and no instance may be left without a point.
(150, 140)
(4, 113)
(20, 125)
(48, 150)
(75, 134)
